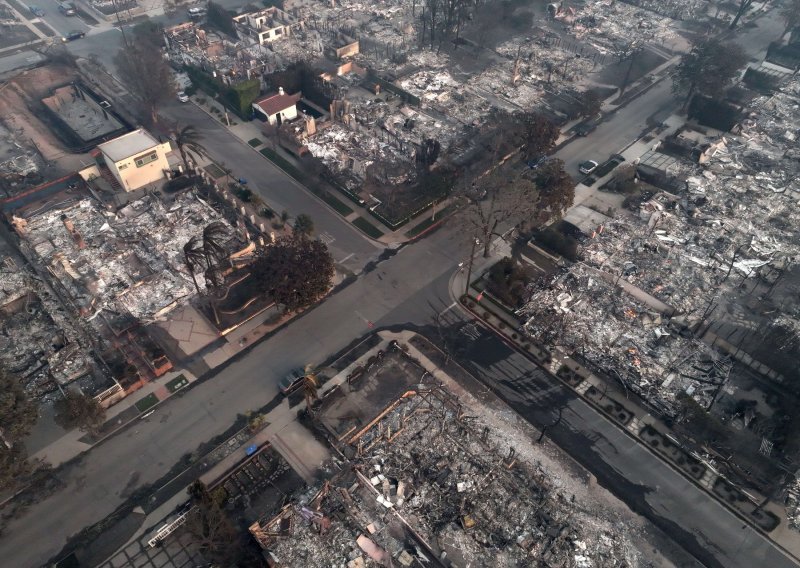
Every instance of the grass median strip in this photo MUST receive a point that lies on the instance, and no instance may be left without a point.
(340, 207)
(177, 383)
(282, 163)
(367, 227)
(214, 171)
(416, 230)
(147, 403)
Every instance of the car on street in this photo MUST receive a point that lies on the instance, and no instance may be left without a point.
(585, 129)
(587, 167)
(292, 381)
(183, 97)
(73, 35)
(67, 8)
(534, 163)
(36, 11)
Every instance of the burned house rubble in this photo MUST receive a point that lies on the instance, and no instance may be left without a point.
(107, 272)
(386, 85)
(435, 480)
(39, 342)
(127, 261)
(688, 259)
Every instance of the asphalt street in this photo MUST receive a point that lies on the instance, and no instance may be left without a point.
(625, 127)
(411, 286)
(59, 22)
(350, 248)
(102, 479)
(687, 514)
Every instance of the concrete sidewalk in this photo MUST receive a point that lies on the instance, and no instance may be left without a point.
(635, 419)
(250, 132)
(123, 413)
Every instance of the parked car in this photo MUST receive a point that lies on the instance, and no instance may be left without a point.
(585, 129)
(36, 11)
(292, 381)
(534, 163)
(67, 8)
(183, 97)
(587, 167)
(73, 35)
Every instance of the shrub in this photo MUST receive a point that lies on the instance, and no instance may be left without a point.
(760, 81)
(508, 281)
(713, 113)
(555, 240)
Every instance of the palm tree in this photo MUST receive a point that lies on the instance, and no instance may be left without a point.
(213, 250)
(303, 226)
(193, 258)
(187, 139)
(310, 388)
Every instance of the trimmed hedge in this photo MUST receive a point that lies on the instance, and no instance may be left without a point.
(715, 114)
(238, 98)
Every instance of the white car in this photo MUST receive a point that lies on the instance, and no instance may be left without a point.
(183, 97)
(587, 167)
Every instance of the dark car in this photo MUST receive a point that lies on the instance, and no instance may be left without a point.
(67, 8)
(585, 129)
(534, 163)
(73, 35)
(292, 381)
(36, 11)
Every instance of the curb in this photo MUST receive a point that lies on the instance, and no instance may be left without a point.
(634, 437)
(296, 181)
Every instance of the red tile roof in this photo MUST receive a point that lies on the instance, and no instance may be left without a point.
(273, 104)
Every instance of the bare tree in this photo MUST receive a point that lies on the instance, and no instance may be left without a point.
(144, 70)
(505, 197)
(790, 14)
(210, 527)
(744, 6)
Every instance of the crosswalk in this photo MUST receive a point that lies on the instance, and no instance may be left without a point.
(326, 238)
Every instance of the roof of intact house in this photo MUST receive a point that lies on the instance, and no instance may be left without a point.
(127, 145)
(273, 104)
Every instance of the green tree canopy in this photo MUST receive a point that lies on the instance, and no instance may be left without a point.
(220, 18)
(18, 413)
(303, 225)
(708, 69)
(76, 410)
(556, 188)
(295, 273)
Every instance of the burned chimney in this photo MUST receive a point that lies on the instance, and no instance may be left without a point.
(76, 236)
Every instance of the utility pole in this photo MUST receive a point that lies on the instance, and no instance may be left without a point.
(469, 266)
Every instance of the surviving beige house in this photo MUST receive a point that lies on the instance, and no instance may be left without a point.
(136, 159)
